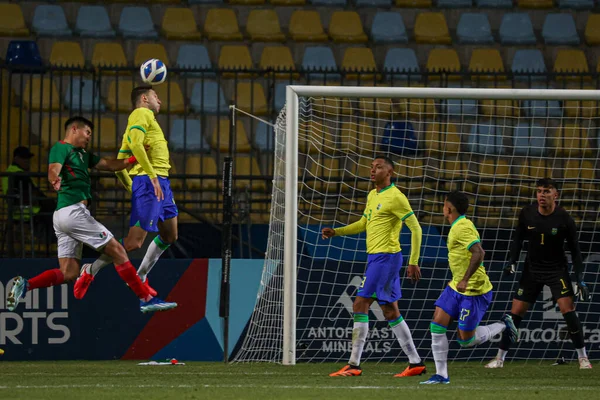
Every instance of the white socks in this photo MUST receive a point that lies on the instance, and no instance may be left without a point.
(359, 337)
(400, 329)
(156, 248)
(581, 353)
(501, 354)
(100, 263)
(439, 348)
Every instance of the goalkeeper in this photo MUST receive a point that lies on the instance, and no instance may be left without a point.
(547, 226)
(387, 208)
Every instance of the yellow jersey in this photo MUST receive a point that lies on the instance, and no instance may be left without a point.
(384, 214)
(461, 237)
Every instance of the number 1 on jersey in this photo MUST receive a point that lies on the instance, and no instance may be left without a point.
(542, 242)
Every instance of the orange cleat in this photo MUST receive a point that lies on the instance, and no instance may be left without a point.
(348, 370)
(82, 284)
(412, 370)
(151, 290)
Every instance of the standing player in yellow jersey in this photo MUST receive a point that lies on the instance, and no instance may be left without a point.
(469, 293)
(153, 208)
(387, 208)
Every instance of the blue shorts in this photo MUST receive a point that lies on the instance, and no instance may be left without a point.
(146, 211)
(468, 310)
(382, 278)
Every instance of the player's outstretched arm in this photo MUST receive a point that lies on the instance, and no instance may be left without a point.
(352, 229)
(114, 165)
(477, 256)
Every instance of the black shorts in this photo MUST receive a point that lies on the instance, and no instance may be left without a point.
(531, 285)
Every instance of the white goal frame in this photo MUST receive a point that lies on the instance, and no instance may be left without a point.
(293, 92)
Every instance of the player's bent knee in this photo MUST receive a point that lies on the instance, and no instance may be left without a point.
(467, 342)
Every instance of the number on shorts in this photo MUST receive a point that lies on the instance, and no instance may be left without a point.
(563, 283)
(464, 313)
(362, 284)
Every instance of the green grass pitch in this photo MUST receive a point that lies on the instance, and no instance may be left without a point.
(126, 380)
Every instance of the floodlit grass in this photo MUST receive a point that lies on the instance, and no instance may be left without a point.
(123, 380)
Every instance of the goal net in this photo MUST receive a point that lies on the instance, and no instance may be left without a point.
(492, 144)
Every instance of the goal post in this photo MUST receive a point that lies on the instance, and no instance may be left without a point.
(324, 132)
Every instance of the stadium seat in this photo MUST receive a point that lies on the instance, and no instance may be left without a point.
(320, 59)
(532, 169)
(432, 28)
(530, 140)
(314, 138)
(494, 3)
(592, 30)
(8, 97)
(560, 29)
(442, 138)
(458, 108)
(23, 53)
(287, 2)
(15, 131)
(249, 166)
(106, 137)
(93, 21)
(83, 95)
(500, 108)
(485, 138)
(492, 178)
(246, 2)
(474, 28)
(264, 137)
(208, 97)
(542, 108)
(109, 54)
(417, 109)
(40, 94)
(398, 138)
(119, 100)
(221, 24)
(381, 108)
(50, 20)
(576, 4)
(452, 169)
(180, 24)
(359, 63)
(205, 2)
(235, 58)
(374, 3)
(136, 23)
(328, 3)
(250, 97)
(570, 61)
(581, 109)
(12, 22)
(194, 56)
(580, 175)
(67, 54)
(516, 28)
(202, 165)
(401, 63)
(305, 26)
(52, 130)
(278, 58)
(186, 135)
(147, 51)
(263, 26)
(528, 61)
(357, 138)
(220, 137)
(535, 3)
(388, 27)
(414, 3)
(484, 61)
(571, 140)
(345, 27)
(454, 3)
(443, 61)
(171, 97)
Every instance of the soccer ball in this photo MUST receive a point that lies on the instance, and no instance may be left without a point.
(153, 72)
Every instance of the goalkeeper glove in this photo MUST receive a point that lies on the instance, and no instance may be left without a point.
(583, 292)
(509, 269)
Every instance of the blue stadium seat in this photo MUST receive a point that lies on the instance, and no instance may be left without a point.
(209, 99)
(516, 28)
(24, 53)
(456, 107)
(485, 139)
(399, 61)
(194, 56)
(388, 27)
(454, 3)
(399, 138)
(530, 139)
(374, 3)
(186, 134)
(81, 95)
(560, 29)
(50, 20)
(264, 137)
(136, 22)
(528, 61)
(329, 3)
(319, 58)
(542, 108)
(494, 3)
(280, 96)
(93, 21)
(474, 28)
(576, 4)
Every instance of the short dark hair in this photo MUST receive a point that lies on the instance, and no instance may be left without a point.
(459, 200)
(79, 120)
(387, 160)
(137, 92)
(547, 183)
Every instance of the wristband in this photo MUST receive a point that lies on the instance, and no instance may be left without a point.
(131, 160)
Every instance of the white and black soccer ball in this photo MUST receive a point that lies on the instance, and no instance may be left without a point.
(153, 71)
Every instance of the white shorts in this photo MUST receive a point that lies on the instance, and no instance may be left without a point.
(74, 226)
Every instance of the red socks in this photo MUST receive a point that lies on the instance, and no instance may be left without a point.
(128, 273)
(52, 277)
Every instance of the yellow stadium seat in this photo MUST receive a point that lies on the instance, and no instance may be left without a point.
(327, 174)
(414, 3)
(249, 166)
(358, 171)
(235, 58)
(410, 173)
(68, 54)
(17, 128)
(443, 61)
(357, 138)
(106, 136)
(592, 30)
(171, 97)
(417, 109)
(381, 108)
(359, 63)
(147, 51)
(493, 178)
(180, 24)
(333, 106)
(7, 99)
(263, 26)
(121, 103)
(581, 109)
(221, 24)
(287, 2)
(305, 26)
(571, 60)
(12, 22)
(442, 138)
(314, 137)
(486, 60)
(52, 130)
(109, 54)
(432, 28)
(453, 169)
(220, 138)
(250, 97)
(202, 165)
(579, 175)
(279, 58)
(500, 108)
(535, 3)
(345, 27)
(571, 140)
(41, 95)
